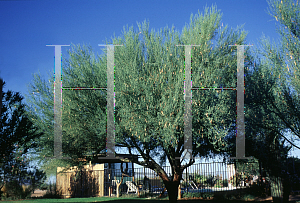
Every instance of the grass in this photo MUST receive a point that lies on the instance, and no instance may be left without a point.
(119, 200)
(90, 199)
(237, 196)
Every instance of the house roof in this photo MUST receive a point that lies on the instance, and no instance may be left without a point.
(101, 158)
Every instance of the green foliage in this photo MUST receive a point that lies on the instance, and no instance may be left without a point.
(13, 190)
(225, 183)
(149, 108)
(282, 57)
(80, 118)
(219, 183)
(204, 195)
(138, 78)
(276, 75)
(210, 181)
(17, 133)
(200, 179)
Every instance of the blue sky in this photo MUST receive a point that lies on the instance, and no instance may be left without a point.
(28, 26)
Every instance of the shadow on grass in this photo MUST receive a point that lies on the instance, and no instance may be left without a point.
(188, 201)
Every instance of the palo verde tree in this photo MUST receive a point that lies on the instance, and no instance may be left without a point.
(149, 92)
(149, 85)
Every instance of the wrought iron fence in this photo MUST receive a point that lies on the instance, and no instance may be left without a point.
(201, 177)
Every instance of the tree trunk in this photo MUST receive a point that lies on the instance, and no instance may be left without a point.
(179, 192)
(260, 172)
(172, 188)
(162, 192)
(118, 185)
(171, 184)
(118, 192)
(286, 189)
(276, 189)
(280, 190)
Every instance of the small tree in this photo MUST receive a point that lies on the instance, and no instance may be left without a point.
(16, 135)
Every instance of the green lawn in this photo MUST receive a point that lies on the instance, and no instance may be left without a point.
(126, 200)
(120, 200)
(90, 199)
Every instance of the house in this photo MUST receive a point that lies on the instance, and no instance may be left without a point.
(93, 180)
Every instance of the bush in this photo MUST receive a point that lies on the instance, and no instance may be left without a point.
(52, 192)
(211, 181)
(13, 190)
(225, 183)
(187, 195)
(200, 179)
(248, 197)
(44, 186)
(198, 194)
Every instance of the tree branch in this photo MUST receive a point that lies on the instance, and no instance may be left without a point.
(282, 118)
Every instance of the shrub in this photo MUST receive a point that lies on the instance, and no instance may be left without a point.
(225, 183)
(50, 195)
(187, 195)
(13, 190)
(248, 197)
(211, 181)
(52, 192)
(200, 178)
(198, 194)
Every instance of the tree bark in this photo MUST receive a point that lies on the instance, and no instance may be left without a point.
(118, 185)
(123, 174)
(162, 193)
(276, 189)
(286, 189)
(280, 189)
(172, 188)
